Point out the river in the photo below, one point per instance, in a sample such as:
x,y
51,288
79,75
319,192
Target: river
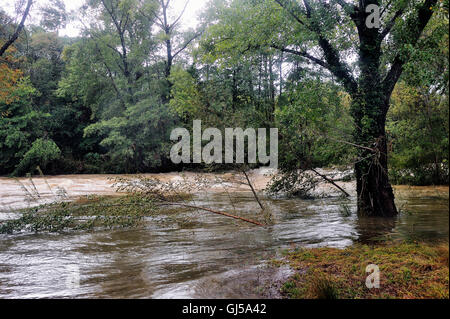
x,y
200,255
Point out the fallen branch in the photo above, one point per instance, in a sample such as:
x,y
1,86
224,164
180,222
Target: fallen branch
x,y
214,212
253,189
331,182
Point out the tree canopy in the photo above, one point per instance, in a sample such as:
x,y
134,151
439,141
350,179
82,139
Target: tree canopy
x,y
341,90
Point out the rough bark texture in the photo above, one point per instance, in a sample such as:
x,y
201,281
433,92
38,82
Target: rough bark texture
x,y
375,194
370,93
369,109
19,29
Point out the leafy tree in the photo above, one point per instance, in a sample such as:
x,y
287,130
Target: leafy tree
x,y
418,125
418,119
111,73
19,126
9,77
41,153
54,15
311,115
334,30
174,41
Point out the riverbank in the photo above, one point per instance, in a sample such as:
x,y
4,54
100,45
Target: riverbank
x,y
185,253
407,271
24,192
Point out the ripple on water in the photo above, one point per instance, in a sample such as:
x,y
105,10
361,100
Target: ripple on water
x,y
208,260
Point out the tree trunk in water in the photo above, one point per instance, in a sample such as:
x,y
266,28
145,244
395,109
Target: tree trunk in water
x,y
375,193
369,109
370,93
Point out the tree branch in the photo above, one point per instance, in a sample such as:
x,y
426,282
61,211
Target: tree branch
x,y
249,183
350,9
187,43
390,25
15,35
331,182
285,5
415,26
213,211
333,62
303,54
179,17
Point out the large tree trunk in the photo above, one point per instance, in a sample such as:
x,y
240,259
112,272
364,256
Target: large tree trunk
x,y
375,194
370,94
369,109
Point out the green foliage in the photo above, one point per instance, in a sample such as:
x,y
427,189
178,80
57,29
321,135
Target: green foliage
x,y
41,153
54,15
20,125
137,141
313,118
418,121
186,100
419,129
107,101
86,214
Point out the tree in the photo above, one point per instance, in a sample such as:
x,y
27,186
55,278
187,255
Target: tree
x,y
418,121
170,36
54,15
324,34
121,40
113,72
41,153
371,91
12,38
20,125
418,126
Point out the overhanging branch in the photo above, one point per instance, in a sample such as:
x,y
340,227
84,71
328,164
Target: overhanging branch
x,y
303,54
390,25
332,61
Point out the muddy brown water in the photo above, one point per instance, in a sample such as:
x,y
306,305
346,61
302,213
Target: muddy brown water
x,y
196,255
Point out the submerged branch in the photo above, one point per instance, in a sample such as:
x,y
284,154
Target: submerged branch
x,y
253,189
331,182
213,211
168,193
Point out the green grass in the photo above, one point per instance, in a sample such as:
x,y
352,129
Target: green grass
x,y
407,271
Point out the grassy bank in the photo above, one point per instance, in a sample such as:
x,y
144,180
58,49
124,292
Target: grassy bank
x,y
407,270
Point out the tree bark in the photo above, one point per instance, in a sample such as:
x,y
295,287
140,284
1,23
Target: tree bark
x,y
370,93
375,193
370,105
19,29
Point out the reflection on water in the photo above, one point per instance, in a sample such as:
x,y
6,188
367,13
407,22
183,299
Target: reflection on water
x,y
166,260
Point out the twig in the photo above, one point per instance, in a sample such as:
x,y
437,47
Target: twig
x,y
331,182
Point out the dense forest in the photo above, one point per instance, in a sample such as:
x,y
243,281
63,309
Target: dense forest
x,y
132,163
106,101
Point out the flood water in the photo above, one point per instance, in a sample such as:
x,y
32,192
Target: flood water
x,y
200,255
